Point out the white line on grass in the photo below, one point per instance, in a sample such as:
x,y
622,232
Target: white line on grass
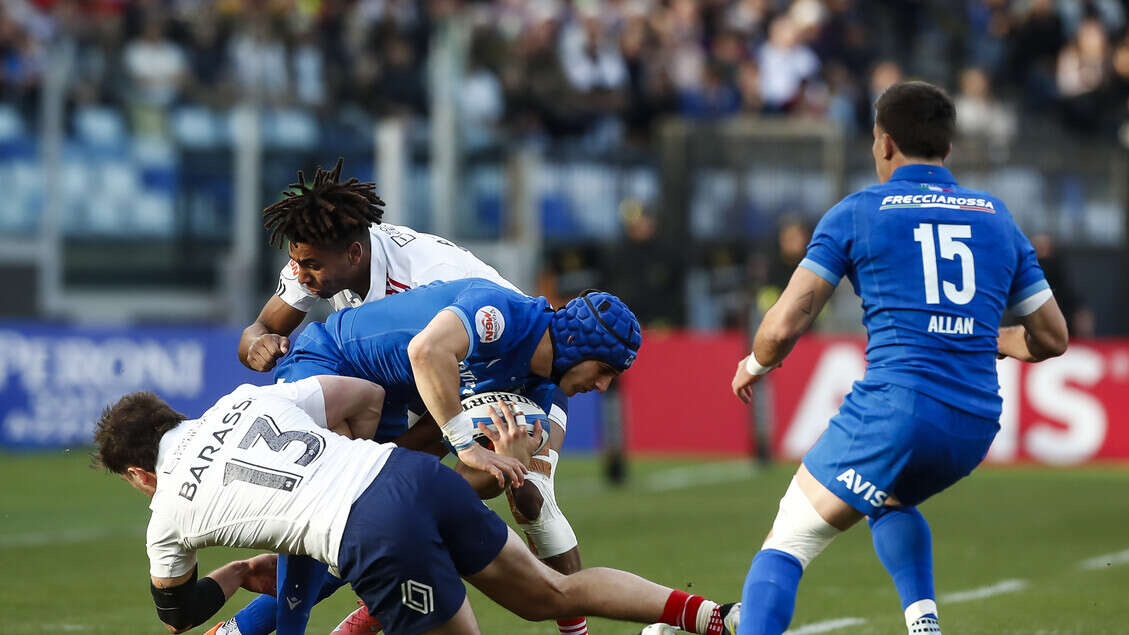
x,y
668,480
999,588
1108,560
825,627
979,593
65,536
709,474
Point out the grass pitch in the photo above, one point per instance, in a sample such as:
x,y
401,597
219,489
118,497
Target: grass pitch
x,y
1014,549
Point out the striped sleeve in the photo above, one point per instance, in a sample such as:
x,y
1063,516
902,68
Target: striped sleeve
x,y
827,255
1029,299
1029,288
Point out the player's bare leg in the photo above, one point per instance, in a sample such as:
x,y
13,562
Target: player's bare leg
x,y
463,623
830,507
524,585
547,530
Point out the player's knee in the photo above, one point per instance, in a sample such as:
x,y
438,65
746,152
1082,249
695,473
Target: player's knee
x,y
547,529
799,530
550,599
528,498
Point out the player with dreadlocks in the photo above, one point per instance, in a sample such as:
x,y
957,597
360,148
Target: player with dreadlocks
x,y
341,251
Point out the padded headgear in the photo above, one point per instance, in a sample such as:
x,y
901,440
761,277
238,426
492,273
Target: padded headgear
x,y
596,325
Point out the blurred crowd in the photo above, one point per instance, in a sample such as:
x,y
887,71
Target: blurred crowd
x,y
598,68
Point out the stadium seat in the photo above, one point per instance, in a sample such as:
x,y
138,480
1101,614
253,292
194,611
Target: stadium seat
x,y
289,129
100,128
11,124
195,127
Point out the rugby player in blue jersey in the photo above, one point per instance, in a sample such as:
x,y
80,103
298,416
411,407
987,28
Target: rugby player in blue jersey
x,y
429,347
936,266
343,253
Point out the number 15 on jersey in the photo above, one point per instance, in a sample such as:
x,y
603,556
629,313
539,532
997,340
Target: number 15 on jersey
x,y
949,239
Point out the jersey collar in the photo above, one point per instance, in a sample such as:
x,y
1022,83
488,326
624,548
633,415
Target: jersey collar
x,y
377,267
923,172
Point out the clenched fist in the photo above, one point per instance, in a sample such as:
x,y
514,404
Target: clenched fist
x,y
265,350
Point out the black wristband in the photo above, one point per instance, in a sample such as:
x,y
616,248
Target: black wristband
x,y
189,604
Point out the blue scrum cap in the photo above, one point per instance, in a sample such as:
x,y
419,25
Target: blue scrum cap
x,y
595,325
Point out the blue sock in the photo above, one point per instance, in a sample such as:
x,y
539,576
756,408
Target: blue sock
x,y
300,581
769,596
257,618
260,616
905,546
329,585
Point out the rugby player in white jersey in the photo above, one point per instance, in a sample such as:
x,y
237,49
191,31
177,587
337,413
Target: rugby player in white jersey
x,y
260,470
342,252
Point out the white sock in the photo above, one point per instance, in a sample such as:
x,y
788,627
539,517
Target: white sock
x,y
705,612
920,608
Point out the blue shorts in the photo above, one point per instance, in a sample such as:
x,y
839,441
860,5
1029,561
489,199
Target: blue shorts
x,y
889,440
411,536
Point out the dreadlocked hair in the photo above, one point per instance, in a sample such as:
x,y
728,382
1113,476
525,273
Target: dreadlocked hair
x,y
324,213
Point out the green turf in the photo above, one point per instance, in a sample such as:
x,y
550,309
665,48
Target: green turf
x,y
72,551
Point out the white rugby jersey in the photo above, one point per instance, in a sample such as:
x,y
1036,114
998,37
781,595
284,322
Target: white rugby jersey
x,y
401,259
257,471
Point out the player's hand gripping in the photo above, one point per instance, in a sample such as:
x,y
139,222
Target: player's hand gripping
x,y
265,350
510,439
743,382
508,470
260,575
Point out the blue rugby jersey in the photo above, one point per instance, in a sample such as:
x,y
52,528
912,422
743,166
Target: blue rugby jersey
x,y
936,265
504,327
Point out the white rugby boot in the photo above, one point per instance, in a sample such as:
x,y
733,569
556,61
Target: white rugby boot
x,y
731,617
227,627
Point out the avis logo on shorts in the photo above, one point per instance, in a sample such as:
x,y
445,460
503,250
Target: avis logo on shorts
x,y
489,323
860,485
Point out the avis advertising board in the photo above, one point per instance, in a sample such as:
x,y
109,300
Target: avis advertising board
x,y
1063,411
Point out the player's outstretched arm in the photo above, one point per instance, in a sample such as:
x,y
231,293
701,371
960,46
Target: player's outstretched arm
x,y
435,353
1042,334
783,324
268,337
184,603
352,406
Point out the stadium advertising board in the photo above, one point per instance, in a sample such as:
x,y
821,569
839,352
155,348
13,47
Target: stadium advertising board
x,y
676,396
55,380
1063,411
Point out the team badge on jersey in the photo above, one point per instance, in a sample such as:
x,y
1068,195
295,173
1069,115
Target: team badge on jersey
x,y
489,323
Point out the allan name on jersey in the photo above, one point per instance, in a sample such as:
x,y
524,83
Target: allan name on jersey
x,y
950,325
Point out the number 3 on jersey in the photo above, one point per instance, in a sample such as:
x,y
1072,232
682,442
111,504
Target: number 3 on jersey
x,y
948,236
264,428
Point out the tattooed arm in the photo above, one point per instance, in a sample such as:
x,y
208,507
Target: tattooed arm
x,y
784,323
